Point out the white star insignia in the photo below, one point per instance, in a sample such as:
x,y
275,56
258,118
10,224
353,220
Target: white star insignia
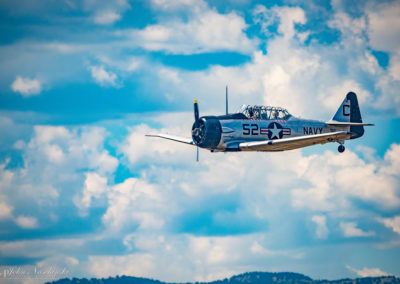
x,y
275,132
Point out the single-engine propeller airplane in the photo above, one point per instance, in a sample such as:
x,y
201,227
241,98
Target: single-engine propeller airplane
x,y
267,128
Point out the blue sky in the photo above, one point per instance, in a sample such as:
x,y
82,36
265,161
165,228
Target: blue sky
x,y
82,188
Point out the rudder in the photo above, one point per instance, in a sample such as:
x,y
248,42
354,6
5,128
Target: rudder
x,y
349,111
355,115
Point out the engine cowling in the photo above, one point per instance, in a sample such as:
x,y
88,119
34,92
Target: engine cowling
x,y
207,132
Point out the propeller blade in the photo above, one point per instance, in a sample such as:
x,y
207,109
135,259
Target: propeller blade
x,y
196,113
197,155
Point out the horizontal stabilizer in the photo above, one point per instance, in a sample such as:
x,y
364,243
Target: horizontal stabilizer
x,y
173,138
341,123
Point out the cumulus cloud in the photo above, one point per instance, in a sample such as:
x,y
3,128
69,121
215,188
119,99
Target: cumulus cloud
x,y
210,257
26,222
161,212
26,87
103,77
205,31
5,210
330,182
232,212
95,186
334,179
350,229
392,223
290,16
322,230
300,79
367,272
136,202
106,17
384,26
105,12
53,161
179,4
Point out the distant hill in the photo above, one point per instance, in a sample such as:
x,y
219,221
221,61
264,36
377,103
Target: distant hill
x,y
248,278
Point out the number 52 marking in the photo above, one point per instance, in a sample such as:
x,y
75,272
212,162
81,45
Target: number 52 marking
x,y
250,129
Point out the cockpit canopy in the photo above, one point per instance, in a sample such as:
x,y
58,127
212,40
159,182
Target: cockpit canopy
x,y
264,112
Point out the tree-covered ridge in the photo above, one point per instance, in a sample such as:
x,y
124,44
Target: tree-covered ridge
x,y
249,277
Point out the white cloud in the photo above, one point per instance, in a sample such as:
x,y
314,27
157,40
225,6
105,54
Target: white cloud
x,y
384,26
136,202
84,146
5,210
95,186
394,68
54,153
179,4
27,222
337,93
392,223
52,167
367,272
201,258
106,17
40,248
299,78
352,29
392,160
290,16
322,229
289,75
134,264
103,77
47,134
143,212
334,179
26,87
105,12
134,145
206,31
287,17
350,229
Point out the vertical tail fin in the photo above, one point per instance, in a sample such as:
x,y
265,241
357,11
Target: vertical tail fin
x,y
349,111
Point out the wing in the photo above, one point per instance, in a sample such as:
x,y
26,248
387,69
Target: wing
x,y
173,138
294,142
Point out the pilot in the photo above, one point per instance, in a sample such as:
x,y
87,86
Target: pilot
x,y
251,113
274,115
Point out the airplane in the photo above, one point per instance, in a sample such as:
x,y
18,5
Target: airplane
x,y
271,129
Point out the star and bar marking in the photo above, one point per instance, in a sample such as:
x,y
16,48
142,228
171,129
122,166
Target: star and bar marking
x,y
275,131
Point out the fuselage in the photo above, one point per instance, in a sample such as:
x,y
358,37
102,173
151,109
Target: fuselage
x,y
269,128
235,129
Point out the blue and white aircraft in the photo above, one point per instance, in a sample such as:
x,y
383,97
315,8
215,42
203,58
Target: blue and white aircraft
x,y
267,128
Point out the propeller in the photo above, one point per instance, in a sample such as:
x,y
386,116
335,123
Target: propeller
x,y
196,113
196,125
